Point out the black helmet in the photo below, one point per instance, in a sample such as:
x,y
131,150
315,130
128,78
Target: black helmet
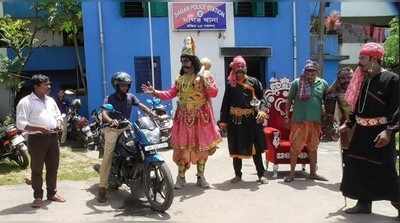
x,y
120,78
76,103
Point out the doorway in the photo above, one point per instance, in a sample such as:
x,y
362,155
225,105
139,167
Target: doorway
x,y
256,67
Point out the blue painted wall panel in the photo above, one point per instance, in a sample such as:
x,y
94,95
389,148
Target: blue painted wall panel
x,y
277,33
124,38
52,58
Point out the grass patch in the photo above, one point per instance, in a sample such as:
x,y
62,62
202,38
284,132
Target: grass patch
x,y
73,166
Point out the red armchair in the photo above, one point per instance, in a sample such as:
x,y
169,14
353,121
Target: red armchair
x,y
276,134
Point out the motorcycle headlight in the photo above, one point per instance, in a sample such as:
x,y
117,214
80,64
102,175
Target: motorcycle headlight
x,y
152,136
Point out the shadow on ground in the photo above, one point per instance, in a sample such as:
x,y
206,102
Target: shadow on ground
x,y
8,166
123,203
23,209
341,217
191,190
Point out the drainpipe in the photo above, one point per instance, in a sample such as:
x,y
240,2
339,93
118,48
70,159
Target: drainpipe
x,y
103,60
151,43
294,40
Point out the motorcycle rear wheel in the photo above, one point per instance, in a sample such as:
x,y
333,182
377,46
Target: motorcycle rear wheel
x,y
21,156
158,186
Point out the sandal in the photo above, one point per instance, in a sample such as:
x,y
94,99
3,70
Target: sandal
x,y
317,177
288,179
27,181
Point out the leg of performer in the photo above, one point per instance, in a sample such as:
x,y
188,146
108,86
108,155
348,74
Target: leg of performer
x,y
201,180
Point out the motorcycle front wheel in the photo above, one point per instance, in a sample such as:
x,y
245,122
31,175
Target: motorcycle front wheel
x,y
158,186
21,156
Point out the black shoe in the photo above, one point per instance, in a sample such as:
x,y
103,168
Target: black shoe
x,y
397,206
360,208
96,167
236,179
102,195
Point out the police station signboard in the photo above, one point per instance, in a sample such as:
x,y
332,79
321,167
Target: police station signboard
x,y
199,16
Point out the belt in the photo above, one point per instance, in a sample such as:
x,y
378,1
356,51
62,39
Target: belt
x,y
239,113
371,121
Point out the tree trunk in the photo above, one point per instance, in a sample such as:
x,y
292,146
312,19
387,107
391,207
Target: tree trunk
x,y
78,58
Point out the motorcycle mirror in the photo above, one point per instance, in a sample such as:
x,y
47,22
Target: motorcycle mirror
x,y
156,101
149,101
108,107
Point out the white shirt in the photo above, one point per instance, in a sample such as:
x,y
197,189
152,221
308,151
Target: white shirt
x,y
33,111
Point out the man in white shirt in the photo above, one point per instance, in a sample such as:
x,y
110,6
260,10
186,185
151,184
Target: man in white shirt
x,y
38,114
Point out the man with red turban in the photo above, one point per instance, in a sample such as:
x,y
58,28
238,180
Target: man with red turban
x,y
369,163
242,115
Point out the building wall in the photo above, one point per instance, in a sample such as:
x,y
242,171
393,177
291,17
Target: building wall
x,y
369,8
375,15
52,58
352,50
208,44
52,39
124,39
277,33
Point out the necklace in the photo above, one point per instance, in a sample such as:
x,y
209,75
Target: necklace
x,y
365,97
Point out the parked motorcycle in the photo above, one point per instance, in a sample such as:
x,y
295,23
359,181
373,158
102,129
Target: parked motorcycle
x,y
165,120
96,127
13,146
78,128
137,163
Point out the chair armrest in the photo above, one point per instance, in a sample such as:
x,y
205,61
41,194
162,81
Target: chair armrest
x,y
269,131
273,136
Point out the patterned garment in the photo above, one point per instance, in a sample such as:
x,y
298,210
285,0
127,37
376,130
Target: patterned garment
x,y
353,90
304,89
305,134
194,134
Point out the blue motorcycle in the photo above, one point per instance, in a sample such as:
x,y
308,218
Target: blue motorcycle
x,y
137,163
165,120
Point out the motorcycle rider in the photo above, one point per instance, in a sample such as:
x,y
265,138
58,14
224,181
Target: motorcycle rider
x,y
122,101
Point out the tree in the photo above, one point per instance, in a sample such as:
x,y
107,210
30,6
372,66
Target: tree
x,y
16,35
65,16
391,59
19,36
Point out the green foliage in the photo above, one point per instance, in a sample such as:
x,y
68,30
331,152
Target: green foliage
x,y
63,15
16,35
391,45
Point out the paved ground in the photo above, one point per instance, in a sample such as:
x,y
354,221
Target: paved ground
x,y
299,201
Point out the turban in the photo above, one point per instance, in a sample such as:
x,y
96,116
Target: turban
x,y
237,64
372,50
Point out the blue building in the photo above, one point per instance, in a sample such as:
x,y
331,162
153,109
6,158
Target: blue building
x,y
55,58
273,36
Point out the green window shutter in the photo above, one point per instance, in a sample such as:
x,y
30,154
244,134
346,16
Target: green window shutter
x,y
132,9
244,9
158,9
271,9
258,8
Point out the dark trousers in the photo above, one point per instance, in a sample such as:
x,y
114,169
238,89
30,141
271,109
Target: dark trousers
x,y
258,162
44,149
